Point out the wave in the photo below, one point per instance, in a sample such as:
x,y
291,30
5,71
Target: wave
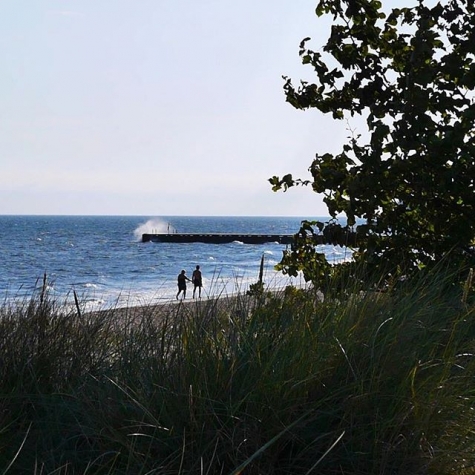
x,y
153,226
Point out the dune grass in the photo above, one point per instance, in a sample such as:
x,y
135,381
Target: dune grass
x,y
278,383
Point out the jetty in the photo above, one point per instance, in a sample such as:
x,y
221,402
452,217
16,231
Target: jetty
x,y
349,239
223,238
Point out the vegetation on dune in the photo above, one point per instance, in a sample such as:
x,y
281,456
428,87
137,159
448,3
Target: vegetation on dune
x,y
364,381
281,383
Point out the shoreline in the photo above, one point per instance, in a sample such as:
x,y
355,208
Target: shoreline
x,y
175,308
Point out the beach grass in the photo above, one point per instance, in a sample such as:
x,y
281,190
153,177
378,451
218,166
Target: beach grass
x,y
279,382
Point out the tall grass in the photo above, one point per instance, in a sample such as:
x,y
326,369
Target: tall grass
x,y
278,383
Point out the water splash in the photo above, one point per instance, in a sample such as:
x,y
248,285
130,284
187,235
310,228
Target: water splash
x,y
153,226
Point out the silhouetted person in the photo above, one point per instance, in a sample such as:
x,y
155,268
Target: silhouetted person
x,y
197,281
182,278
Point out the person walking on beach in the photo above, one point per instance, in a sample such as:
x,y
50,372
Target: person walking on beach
x,y
182,278
197,281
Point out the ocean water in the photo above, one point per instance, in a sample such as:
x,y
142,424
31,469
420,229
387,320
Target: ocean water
x,y
103,260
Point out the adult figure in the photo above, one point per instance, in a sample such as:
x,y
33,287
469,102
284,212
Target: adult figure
x,y
197,280
182,278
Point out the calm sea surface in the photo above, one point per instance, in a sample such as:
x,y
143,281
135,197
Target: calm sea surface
x,y
103,259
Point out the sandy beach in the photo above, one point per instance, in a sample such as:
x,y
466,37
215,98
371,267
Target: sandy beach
x,y
179,309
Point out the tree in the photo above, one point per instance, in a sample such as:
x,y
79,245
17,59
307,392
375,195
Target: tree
x,y
410,73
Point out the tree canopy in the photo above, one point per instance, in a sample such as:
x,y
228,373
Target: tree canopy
x,y
408,186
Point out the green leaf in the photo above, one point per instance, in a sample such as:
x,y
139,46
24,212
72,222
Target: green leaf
x,y
410,72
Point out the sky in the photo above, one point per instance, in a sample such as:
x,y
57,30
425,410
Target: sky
x,y
157,107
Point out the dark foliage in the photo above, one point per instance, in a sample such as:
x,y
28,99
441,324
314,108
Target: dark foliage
x,y
410,188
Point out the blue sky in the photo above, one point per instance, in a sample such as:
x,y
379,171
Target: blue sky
x,y
156,107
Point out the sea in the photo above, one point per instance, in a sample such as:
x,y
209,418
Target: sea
x,y
103,260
